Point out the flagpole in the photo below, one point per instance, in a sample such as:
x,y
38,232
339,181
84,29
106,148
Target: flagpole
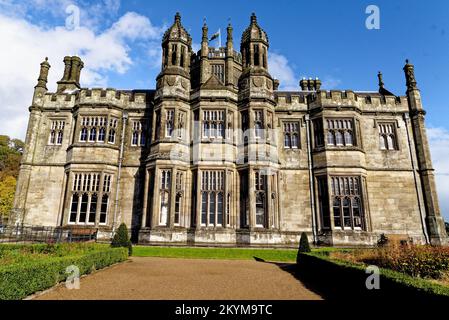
x,y
219,37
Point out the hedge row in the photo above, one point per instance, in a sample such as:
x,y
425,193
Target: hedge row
x,y
337,275
18,281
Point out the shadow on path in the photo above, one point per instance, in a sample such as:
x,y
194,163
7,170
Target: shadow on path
x,y
332,282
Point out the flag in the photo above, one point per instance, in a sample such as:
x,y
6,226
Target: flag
x,y
215,35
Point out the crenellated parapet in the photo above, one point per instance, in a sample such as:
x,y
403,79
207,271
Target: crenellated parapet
x,y
360,101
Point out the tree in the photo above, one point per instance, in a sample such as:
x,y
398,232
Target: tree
x,y
10,154
121,239
7,190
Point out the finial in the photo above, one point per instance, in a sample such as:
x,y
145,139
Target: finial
x,y
379,76
253,18
229,21
177,17
46,59
409,71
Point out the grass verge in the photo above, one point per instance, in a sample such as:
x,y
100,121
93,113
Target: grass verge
x,y
280,255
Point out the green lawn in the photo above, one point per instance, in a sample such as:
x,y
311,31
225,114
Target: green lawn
x,y
281,255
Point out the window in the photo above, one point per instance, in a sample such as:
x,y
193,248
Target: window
x,y
181,124
346,203
112,130
256,55
178,199
218,71
138,137
340,132
318,133
213,124
387,136
93,129
258,123
56,132
165,196
212,191
169,123
157,127
260,184
86,192
291,135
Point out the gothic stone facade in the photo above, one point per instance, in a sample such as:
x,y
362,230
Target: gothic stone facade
x,y
217,155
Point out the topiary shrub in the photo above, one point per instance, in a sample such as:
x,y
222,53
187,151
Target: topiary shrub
x,y
303,245
121,239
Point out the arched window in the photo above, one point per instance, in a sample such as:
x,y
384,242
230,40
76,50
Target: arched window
x,y
59,141
83,134
104,209
330,138
111,138
204,208
256,55
346,213
338,138
295,141
135,139
212,201
93,208
93,134
74,208
52,137
348,138
102,134
220,209
356,213
164,208
390,142
83,208
177,208
337,212
174,49
182,56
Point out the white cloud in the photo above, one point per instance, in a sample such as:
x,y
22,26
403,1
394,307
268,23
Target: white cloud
x,y
280,69
439,147
28,44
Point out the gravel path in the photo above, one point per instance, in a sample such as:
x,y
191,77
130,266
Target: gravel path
x,y
171,279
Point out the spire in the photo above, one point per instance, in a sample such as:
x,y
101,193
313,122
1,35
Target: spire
x,y
43,75
409,71
253,18
229,36
381,83
177,18
205,30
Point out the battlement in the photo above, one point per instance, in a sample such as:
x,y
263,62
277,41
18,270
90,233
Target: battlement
x,y
363,100
121,98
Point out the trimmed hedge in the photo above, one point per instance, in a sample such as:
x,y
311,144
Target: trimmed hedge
x,y
336,275
18,281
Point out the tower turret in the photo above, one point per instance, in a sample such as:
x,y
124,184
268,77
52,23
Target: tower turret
x,y
254,46
174,78
434,221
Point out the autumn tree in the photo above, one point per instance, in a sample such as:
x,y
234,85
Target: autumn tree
x,y
10,153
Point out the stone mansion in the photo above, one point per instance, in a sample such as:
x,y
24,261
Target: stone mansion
x,y
217,155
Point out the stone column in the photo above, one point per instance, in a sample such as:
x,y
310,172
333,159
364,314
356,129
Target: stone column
x,y
145,199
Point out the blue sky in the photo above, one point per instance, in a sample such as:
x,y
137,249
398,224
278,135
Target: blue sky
x,y
120,44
